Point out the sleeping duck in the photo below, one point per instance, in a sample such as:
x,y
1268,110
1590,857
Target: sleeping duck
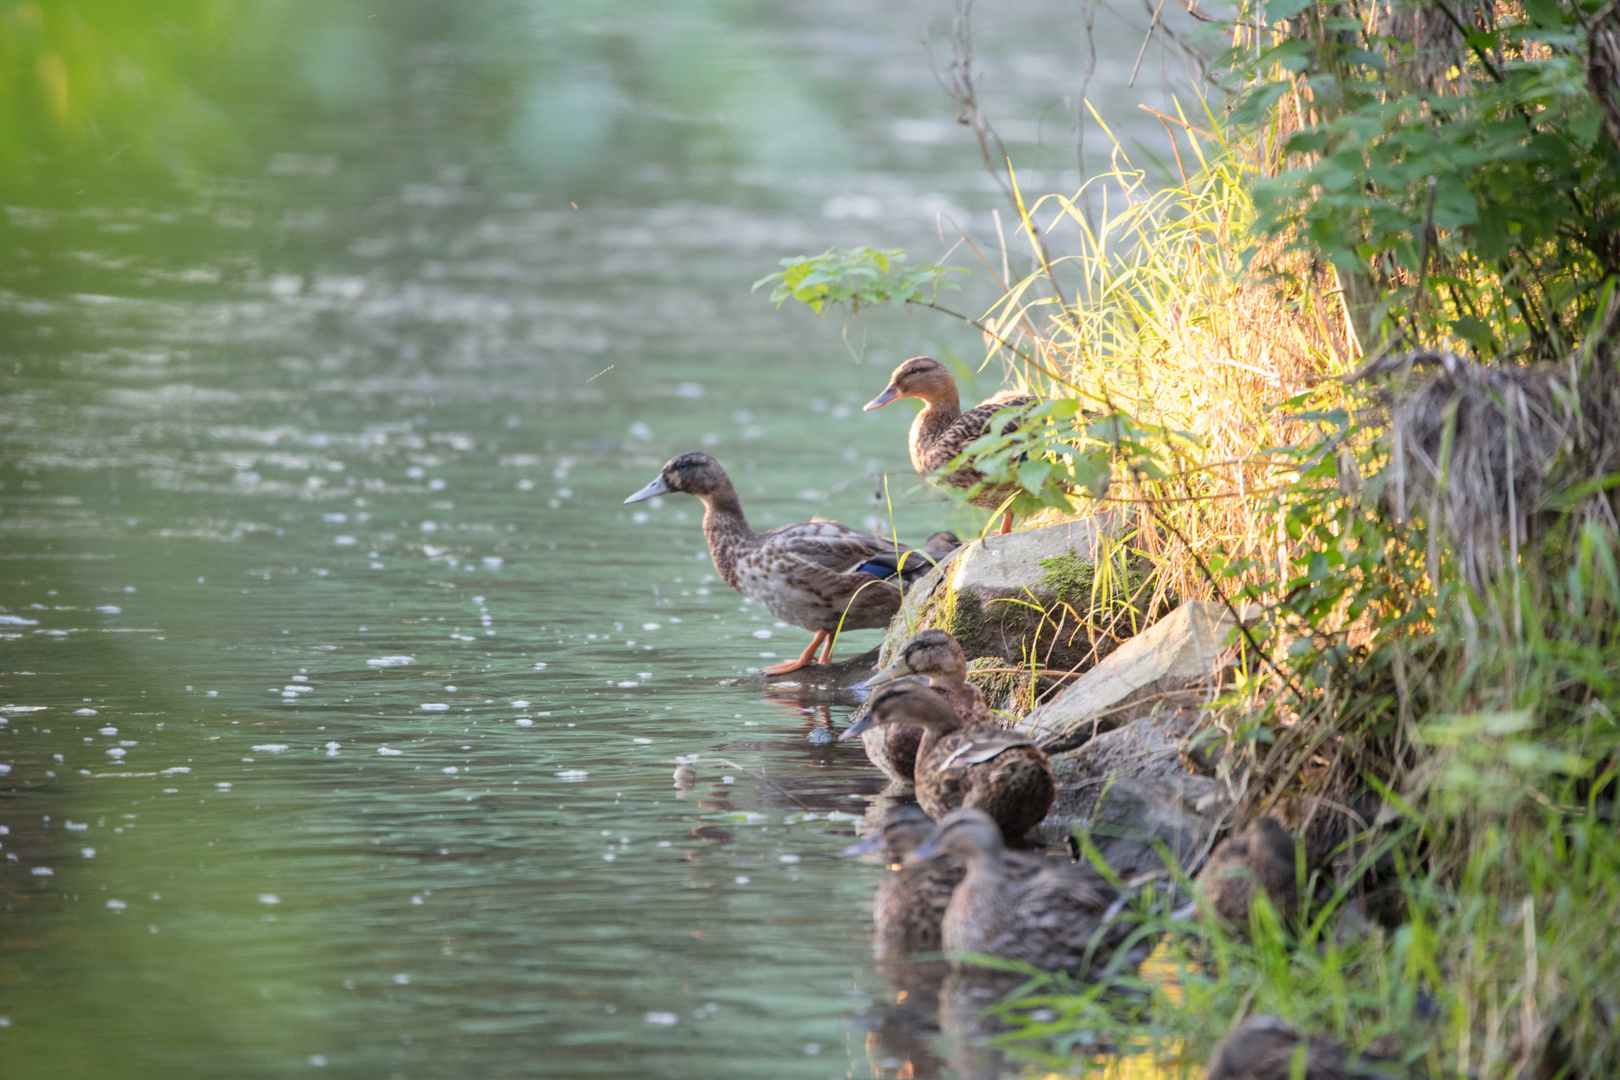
x,y
942,430
820,575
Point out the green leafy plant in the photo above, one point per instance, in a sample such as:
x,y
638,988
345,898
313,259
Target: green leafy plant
x,y
862,276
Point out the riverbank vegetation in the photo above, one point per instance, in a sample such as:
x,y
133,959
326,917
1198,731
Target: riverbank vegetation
x,y
1357,365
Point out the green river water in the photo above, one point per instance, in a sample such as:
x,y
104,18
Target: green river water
x,y
339,693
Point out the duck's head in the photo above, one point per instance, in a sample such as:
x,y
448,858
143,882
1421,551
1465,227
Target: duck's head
x,y
694,474
966,832
903,829
920,377
932,652
910,700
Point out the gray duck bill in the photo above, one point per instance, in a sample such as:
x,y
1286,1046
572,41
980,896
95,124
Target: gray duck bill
x,y
657,487
865,723
890,393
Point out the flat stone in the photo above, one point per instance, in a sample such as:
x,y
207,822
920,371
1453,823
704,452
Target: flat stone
x,y
1185,651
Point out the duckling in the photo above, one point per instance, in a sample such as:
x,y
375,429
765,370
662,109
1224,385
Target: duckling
x,y
1261,854
934,653
942,430
819,575
911,901
1063,917
1000,772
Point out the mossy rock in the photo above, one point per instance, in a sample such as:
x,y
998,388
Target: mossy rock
x,y
1024,598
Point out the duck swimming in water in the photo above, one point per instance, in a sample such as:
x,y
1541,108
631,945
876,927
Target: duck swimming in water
x,y
1000,772
936,654
819,575
942,430
1062,917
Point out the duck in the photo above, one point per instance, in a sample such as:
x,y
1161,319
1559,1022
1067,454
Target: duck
x,y
911,901
942,430
935,653
1000,772
1266,1048
817,575
1260,854
1063,917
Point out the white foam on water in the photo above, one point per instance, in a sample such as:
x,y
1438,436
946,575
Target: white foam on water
x,y
116,752
651,626
390,661
434,706
402,979
763,635
224,785
787,858
520,704
539,665
43,871
78,826
270,748
664,1019
344,541
84,712
643,742
741,879
386,752
110,609
17,620
88,852
269,898
175,769
117,905
451,769
523,721
572,775
108,730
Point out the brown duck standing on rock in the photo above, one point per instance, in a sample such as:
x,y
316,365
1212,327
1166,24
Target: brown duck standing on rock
x,y
942,430
936,654
1063,917
1002,773
911,901
820,575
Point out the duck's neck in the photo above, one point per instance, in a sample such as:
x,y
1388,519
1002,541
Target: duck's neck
x,y
727,531
933,733
937,415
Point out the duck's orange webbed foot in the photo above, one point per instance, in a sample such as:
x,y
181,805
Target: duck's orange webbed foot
x,y
804,659
1006,523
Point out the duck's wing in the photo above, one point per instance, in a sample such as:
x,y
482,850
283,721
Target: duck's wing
x,y
827,544
982,744
969,426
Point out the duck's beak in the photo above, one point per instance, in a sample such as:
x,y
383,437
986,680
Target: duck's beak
x,y
872,845
865,723
657,487
926,850
890,393
889,674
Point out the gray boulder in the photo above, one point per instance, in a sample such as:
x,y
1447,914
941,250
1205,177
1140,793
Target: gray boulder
x,y
1127,790
1016,596
1176,660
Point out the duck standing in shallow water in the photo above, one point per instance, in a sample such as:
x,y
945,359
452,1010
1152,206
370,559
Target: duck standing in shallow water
x,y
936,654
942,430
1063,917
820,575
1000,772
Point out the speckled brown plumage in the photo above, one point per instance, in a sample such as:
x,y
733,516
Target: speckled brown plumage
x,y
1263,854
808,574
1052,918
942,430
911,900
999,772
935,653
